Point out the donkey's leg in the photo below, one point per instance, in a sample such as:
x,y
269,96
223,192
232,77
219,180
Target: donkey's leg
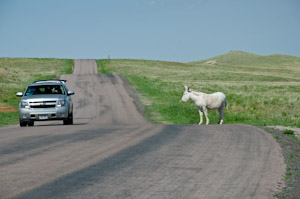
x,y
201,115
206,115
221,112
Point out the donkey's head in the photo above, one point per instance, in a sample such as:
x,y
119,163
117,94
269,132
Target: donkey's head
x,y
186,94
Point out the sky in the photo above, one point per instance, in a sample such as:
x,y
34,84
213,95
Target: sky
x,y
168,30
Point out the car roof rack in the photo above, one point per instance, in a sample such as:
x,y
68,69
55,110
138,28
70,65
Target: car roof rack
x,y
51,80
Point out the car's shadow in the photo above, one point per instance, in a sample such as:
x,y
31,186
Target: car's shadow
x,y
58,123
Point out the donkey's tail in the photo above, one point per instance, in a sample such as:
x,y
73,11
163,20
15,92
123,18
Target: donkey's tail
x,y
226,105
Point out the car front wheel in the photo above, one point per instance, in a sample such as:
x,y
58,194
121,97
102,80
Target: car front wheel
x,y
69,120
22,123
31,123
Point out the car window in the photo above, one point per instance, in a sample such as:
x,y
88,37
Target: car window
x,y
44,90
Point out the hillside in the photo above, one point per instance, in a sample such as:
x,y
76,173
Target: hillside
x,y
261,90
244,58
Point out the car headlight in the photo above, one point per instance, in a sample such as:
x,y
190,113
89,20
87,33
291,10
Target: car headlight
x,y
24,104
61,103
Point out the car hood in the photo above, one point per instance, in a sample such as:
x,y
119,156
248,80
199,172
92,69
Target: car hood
x,y
43,97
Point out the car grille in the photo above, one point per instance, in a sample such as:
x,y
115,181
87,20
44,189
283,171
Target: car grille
x,y
43,104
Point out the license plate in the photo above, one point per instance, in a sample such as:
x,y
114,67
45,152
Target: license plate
x,y
43,117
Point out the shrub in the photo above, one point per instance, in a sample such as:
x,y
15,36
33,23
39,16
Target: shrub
x,y
288,132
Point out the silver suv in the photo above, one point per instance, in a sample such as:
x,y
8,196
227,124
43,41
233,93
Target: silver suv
x,y
46,100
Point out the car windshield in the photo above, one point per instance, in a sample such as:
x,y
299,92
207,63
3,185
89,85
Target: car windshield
x,y
44,90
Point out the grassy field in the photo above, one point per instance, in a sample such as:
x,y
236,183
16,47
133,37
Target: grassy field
x,y
260,90
17,73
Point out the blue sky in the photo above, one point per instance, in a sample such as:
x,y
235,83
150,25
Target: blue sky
x,y
170,30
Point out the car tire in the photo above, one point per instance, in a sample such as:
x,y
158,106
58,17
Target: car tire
x,y
23,124
69,120
31,123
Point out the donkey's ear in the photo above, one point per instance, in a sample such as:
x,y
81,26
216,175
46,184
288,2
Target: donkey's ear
x,y
186,87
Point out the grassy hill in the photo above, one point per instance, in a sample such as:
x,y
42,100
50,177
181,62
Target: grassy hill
x,y
260,90
17,73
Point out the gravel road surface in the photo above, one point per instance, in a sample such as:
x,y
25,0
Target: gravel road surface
x,y
111,151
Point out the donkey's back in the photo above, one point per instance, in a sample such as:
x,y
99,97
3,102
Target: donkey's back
x,y
215,100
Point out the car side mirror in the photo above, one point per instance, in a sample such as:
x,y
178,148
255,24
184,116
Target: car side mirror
x,y
19,94
71,92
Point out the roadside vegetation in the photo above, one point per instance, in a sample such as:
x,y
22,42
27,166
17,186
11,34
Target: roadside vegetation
x,y
17,73
260,90
290,146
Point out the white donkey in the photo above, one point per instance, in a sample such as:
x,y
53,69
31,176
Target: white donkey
x,y
206,102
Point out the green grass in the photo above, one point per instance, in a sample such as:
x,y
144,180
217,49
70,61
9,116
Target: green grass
x,y
102,66
17,73
260,90
288,132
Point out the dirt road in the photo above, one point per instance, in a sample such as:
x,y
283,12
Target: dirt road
x,y
111,151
